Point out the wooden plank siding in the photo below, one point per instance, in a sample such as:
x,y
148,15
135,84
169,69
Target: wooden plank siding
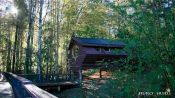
x,y
91,52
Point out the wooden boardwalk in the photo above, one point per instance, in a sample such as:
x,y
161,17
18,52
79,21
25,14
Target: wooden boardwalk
x,y
6,90
64,83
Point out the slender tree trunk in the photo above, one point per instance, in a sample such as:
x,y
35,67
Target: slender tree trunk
x,y
29,52
9,53
52,36
15,48
56,33
21,52
39,67
3,50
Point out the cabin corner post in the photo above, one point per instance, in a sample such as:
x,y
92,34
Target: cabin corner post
x,y
100,72
80,75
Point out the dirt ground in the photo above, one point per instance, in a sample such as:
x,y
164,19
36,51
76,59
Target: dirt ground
x,y
90,87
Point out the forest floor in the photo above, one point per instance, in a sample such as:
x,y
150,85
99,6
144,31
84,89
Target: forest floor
x,y
5,88
90,87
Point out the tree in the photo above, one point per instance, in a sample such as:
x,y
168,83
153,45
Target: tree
x,y
39,66
31,21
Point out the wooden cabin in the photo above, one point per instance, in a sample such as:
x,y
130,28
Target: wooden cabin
x,y
86,53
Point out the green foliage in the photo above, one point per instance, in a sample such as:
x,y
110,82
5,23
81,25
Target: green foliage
x,y
128,85
149,66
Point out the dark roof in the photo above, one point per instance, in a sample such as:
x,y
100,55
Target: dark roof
x,y
96,42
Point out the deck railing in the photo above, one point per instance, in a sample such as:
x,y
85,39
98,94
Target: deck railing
x,y
50,78
24,88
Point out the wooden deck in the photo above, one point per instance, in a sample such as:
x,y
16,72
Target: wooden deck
x,y
64,83
6,90
51,80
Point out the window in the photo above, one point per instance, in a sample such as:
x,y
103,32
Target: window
x,y
75,51
103,49
99,49
107,49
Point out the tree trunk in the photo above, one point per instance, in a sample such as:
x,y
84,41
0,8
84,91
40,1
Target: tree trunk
x,y
29,50
15,48
56,33
9,53
39,67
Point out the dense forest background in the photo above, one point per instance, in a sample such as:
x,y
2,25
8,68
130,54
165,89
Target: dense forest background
x,y
35,36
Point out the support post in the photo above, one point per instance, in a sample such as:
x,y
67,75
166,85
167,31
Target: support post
x,y
100,73
80,76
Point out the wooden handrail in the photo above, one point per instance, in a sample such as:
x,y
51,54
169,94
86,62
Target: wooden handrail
x,y
25,88
36,92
